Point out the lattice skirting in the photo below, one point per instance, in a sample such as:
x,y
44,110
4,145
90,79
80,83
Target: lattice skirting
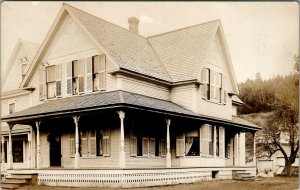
x,y
128,178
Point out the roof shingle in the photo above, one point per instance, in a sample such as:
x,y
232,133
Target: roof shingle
x,y
183,51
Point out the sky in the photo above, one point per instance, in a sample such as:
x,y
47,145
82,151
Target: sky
x,y
261,36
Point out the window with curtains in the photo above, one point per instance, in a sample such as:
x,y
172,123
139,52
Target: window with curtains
x,y
86,75
93,143
98,72
53,81
192,143
78,76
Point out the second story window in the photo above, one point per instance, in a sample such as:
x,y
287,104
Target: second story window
x,y
11,108
98,72
50,82
213,86
53,81
78,76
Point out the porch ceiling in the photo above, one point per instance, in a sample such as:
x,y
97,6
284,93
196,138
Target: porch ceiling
x,y
115,99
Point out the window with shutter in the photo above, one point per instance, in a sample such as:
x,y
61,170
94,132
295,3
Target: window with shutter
x,y
162,147
72,145
42,83
133,143
84,143
58,79
75,79
89,74
99,64
81,75
102,65
180,145
212,85
152,147
92,142
205,88
69,78
51,81
106,142
221,141
145,146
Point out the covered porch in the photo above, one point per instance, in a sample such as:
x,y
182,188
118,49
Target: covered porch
x,y
120,132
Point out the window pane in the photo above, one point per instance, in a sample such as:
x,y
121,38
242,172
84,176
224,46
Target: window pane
x,y
95,82
75,68
23,69
102,63
51,90
50,73
81,84
81,67
75,85
95,64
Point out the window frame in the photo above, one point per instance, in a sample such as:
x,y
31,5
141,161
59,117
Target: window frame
x,y
9,107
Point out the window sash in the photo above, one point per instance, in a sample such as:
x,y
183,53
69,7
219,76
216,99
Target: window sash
x,y
50,74
51,89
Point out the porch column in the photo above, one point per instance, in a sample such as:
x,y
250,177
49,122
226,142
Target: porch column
x,y
29,147
10,153
38,144
168,155
2,151
254,149
122,152
236,149
76,121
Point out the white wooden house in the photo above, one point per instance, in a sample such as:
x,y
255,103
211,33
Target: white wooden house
x,y
108,107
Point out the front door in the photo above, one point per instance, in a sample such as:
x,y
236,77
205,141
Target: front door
x,y
55,150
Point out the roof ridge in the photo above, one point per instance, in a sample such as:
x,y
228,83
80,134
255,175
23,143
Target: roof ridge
x,y
216,20
65,4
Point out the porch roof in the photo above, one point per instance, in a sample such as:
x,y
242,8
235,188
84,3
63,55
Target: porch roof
x,y
115,99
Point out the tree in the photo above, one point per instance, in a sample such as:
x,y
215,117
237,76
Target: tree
x,y
281,130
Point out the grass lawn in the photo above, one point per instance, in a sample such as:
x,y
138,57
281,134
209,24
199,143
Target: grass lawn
x,y
276,183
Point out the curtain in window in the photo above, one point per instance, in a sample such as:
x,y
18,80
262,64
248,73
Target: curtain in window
x,y
188,144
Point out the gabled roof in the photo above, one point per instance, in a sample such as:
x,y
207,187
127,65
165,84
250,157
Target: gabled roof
x,y
183,51
115,99
30,48
128,50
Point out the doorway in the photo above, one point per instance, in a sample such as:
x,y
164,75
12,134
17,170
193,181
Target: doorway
x,y
55,150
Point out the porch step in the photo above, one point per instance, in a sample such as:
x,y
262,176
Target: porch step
x,y
10,185
242,175
14,180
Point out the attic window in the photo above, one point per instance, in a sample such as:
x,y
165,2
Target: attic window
x,y
24,64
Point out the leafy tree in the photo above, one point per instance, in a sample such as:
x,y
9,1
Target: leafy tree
x,y
279,97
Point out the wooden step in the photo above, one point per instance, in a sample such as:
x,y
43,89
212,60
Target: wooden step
x,y
19,181
9,185
19,176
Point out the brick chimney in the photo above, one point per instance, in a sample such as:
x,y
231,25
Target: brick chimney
x,y
133,25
